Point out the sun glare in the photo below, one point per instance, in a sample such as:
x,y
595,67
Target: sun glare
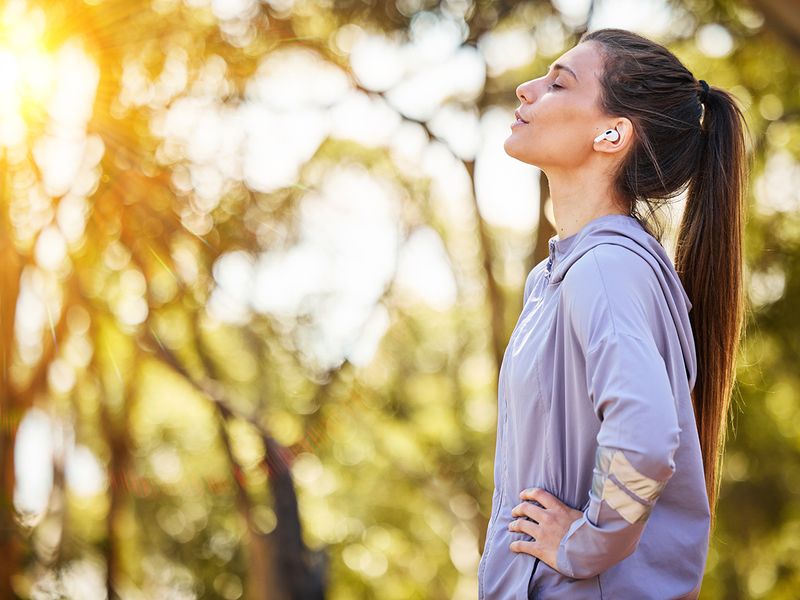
x,y
26,71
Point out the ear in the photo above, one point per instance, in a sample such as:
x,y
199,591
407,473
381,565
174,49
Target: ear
x,y
624,127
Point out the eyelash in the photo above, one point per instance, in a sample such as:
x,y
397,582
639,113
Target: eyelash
x,y
555,85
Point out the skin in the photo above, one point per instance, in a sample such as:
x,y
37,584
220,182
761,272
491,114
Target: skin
x,y
564,117
550,522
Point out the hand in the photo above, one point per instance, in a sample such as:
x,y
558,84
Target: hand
x,y
550,523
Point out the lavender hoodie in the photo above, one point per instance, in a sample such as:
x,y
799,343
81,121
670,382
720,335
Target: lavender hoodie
x,y
594,406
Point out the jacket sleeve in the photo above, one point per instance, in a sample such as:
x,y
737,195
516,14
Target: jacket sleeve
x,y
631,394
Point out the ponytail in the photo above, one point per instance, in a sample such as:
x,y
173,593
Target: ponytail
x,y
709,261
689,136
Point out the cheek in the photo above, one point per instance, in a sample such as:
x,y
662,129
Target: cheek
x,y
570,119
546,142
559,133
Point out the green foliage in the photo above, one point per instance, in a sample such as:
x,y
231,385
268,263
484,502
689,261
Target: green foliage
x,y
191,418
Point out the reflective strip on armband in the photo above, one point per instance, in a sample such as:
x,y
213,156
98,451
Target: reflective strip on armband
x,y
622,487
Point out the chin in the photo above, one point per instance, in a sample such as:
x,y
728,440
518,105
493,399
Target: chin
x,y
515,153
511,147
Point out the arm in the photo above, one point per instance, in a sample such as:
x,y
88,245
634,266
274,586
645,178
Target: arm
x,y
638,437
631,394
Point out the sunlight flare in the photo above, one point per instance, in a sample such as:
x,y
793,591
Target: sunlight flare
x,y
26,71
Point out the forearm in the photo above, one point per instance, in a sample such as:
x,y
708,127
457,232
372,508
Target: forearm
x,y
609,530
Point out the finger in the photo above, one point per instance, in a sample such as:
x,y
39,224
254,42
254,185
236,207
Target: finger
x,y
524,526
543,497
531,548
528,509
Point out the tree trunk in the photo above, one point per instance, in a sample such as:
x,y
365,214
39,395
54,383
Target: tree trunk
x,y
10,409
783,18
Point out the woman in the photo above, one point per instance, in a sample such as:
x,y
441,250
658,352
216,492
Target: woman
x,y
613,396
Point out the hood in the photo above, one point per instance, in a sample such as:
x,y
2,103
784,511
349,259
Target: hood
x,y
627,231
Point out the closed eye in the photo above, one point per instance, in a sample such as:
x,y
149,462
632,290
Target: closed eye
x,y
555,85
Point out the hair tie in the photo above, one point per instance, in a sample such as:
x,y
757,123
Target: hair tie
x,y
704,91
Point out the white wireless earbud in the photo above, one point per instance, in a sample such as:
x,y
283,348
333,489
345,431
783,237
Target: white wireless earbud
x,y
611,135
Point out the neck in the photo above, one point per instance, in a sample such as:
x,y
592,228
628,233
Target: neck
x,y
579,199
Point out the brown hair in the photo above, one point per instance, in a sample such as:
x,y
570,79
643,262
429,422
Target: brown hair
x,y
684,142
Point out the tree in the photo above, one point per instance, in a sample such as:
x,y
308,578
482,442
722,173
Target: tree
x,y
391,456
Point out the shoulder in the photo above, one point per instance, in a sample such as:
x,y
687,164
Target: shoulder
x,y
609,272
614,268
610,289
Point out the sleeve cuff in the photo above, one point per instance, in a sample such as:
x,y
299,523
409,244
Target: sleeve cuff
x,y
563,564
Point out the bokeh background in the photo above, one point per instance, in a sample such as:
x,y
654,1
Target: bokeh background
x,y
259,261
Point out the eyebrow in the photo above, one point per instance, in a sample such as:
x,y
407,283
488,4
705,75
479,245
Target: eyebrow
x,y
558,66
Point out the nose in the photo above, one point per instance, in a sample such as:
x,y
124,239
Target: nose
x,y
525,91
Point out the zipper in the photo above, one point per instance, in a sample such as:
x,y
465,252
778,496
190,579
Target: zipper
x,y
504,473
530,579
549,267
503,480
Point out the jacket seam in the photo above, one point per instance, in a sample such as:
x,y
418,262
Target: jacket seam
x,y
547,396
605,290
599,343
613,331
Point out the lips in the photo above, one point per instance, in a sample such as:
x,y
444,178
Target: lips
x,y
516,114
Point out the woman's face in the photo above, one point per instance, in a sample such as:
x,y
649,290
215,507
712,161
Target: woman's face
x,y
562,110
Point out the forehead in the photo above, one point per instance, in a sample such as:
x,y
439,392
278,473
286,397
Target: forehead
x,y
585,59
